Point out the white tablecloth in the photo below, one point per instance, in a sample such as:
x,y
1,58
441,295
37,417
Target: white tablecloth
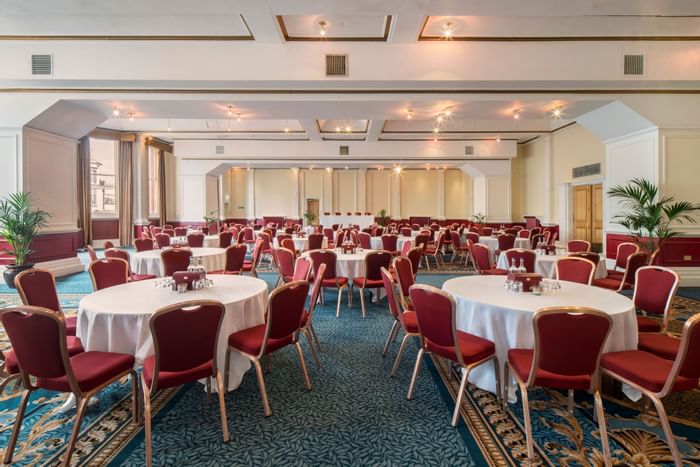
x,y
301,243
362,221
545,265
349,265
149,262
486,309
210,241
376,242
116,319
492,243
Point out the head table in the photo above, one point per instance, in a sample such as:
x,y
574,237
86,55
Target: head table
x,y
116,319
150,262
486,309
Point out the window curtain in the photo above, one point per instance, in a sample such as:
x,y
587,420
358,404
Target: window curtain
x,y
84,190
126,230
162,200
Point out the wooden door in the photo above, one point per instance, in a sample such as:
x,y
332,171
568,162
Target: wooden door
x,y
582,213
313,206
597,213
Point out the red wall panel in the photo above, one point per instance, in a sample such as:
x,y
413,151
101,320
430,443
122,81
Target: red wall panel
x,y
48,247
676,252
104,229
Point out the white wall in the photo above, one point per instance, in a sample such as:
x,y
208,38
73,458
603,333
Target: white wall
x,y
275,192
10,161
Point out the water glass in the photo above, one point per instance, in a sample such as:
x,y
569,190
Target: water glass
x,y
182,287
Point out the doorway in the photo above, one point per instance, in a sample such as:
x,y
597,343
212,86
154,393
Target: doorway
x,y
588,215
312,205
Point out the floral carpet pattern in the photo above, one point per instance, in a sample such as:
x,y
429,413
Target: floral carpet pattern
x,y
356,413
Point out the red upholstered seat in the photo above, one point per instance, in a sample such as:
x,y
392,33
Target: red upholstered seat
x,y
141,277
646,324
659,344
473,348
71,325
616,275
167,379
648,370
73,345
91,369
612,284
367,283
250,340
341,281
520,361
409,321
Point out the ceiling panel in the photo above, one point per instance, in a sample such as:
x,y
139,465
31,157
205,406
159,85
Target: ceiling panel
x,y
334,28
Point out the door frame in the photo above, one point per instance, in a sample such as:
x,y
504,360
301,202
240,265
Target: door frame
x,y
566,207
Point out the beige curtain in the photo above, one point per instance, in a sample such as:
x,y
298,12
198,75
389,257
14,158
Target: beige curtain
x,y
126,229
162,200
84,195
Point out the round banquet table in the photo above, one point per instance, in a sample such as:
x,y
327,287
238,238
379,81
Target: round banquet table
x,y
486,309
210,241
116,319
301,243
492,243
350,265
149,262
545,265
376,242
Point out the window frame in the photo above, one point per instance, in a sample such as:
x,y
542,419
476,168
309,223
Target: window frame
x,y
115,214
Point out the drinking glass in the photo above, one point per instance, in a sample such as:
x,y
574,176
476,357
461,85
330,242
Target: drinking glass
x,y
182,287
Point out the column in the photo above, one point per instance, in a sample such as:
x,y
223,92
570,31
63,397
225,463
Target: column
x,y
224,197
11,161
547,179
395,196
250,195
294,196
441,194
302,193
140,185
327,202
361,191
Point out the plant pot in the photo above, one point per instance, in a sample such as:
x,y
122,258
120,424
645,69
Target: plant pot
x,y
12,271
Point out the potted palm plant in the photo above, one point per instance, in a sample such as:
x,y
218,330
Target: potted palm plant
x,y
310,217
479,219
19,225
382,217
648,217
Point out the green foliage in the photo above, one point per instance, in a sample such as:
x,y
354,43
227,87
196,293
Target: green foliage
x,y
310,217
479,218
212,217
646,216
20,224
383,217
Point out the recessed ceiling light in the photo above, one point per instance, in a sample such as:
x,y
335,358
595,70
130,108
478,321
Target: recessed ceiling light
x,y
448,111
557,112
323,28
230,110
346,167
409,114
440,118
131,117
498,139
238,116
337,129
328,169
115,111
447,30
380,168
397,169
348,129
516,114
436,130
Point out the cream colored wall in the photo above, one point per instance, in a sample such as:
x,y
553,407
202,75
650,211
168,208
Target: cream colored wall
x,y
344,190
419,193
458,195
170,183
211,199
273,188
517,184
679,169
532,179
378,190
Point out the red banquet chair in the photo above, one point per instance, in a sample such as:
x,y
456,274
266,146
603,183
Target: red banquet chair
x,y
523,233
414,256
252,264
575,269
624,251
536,239
108,272
626,281
526,257
156,230
180,231
108,245
123,254
473,236
302,269
590,256
459,248
195,240
225,239
656,377
405,231
285,264
37,287
568,346
487,231
406,247
481,256
91,253
162,240
328,257
403,272
284,314
654,290
307,327
374,262
578,246
328,232
39,341
143,244
288,243
405,320
365,240
389,243
185,337
175,260
315,241
505,242
235,257
436,317
435,251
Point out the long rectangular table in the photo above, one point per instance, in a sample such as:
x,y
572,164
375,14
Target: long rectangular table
x,y
361,220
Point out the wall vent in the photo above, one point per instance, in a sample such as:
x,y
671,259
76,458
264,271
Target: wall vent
x,y
344,150
336,65
586,170
468,150
219,149
634,65
42,65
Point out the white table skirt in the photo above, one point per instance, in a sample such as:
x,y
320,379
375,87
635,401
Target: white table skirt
x,y
149,262
486,309
545,265
362,221
301,243
116,319
376,242
349,265
492,243
210,241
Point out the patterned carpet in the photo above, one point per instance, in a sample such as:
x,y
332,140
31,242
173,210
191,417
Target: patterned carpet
x,y
355,415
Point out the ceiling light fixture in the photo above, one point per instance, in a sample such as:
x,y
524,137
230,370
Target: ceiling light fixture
x,y
557,112
435,140
440,118
516,114
397,169
436,130
448,111
238,116
380,168
498,139
447,30
323,28
169,129
230,110
409,114
286,126
328,169
115,111
131,117
348,129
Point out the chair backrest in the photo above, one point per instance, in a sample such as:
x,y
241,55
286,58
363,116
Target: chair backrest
x,y
225,239
654,290
288,243
162,240
528,258
634,262
241,236
535,231
156,230
171,232
167,227
406,247
456,240
510,231
143,244
405,231
536,239
379,231
91,253
195,240
340,238
569,341
435,313
247,234
284,311
506,242
328,232
481,255
390,289
327,257
589,255
487,231
185,336
285,262
422,241
365,240
315,241
302,269
316,291
235,257
687,363
518,228
404,276
624,251
180,231
575,269
553,238
414,255
175,260
547,234
374,262
257,252
108,272
578,246
473,236
108,245
389,242
523,233
266,240
37,287
415,227
117,253
283,236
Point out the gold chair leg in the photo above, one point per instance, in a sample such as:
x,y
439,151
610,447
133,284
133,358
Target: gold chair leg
x,y
81,405
362,302
340,299
263,391
147,422
222,406
390,338
602,428
506,391
208,384
9,451
323,298
497,371
227,364
670,439
416,369
404,341
349,287
306,333
571,401
300,354
458,402
315,336
135,397
528,423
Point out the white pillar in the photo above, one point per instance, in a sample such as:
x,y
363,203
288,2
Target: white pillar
x,y
361,191
250,195
302,192
441,194
140,185
395,198
328,191
10,161
294,196
547,179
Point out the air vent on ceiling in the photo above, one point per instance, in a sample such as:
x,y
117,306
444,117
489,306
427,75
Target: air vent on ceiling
x,y
42,65
336,65
219,149
344,150
586,170
468,150
634,65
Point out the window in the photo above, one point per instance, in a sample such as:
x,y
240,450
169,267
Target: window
x,y
153,182
103,176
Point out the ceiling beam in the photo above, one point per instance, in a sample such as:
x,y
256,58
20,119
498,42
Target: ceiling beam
x,y
311,128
